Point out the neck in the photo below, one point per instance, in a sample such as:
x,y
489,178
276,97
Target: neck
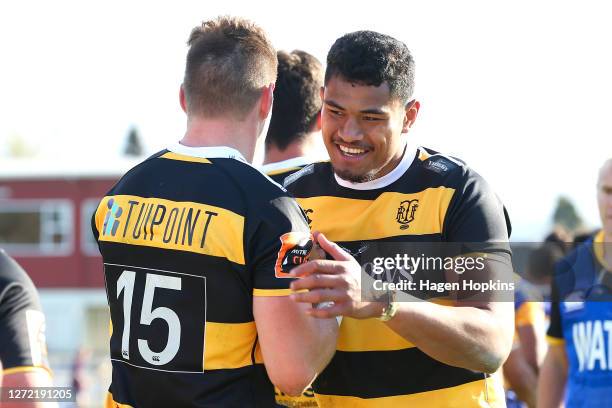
x,y
302,147
225,131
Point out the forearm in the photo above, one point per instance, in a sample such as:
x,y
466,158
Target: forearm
x,y
321,345
465,337
551,383
521,377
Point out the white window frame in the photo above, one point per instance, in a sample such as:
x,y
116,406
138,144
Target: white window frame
x,y
48,227
89,247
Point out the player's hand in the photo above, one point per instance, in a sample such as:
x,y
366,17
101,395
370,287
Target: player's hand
x,y
337,281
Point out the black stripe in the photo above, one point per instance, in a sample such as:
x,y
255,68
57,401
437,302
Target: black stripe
x,y
321,182
229,289
236,388
375,374
224,183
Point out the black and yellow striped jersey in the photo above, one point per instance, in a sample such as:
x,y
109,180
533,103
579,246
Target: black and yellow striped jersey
x,y
428,197
188,237
23,346
279,170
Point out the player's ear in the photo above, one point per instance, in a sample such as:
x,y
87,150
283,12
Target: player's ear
x,y
317,125
182,99
267,97
410,114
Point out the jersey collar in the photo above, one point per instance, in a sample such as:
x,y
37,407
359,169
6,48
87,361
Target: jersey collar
x,y
598,248
207,152
389,178
286,164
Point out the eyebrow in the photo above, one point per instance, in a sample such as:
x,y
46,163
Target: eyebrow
x,y
370,111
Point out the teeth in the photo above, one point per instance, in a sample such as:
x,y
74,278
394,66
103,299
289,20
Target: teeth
x,y
351,150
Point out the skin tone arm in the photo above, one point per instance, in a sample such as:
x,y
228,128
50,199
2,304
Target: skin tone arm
x,y
553,376
477,336
27,379
521,377
521,368
295,346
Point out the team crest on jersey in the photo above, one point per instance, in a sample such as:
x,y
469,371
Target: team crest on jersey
x,y
295,250
405,213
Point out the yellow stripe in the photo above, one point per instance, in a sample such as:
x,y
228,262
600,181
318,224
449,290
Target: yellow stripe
x,y
373,335
109,402
279,171
229,345
26,369
555,341
369,335
272,292
473,394
598,248
306,400
529,313
346,219
423,155
182,157
186,226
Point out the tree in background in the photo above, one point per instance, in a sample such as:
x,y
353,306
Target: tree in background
x,y
133,147
18,147
567,216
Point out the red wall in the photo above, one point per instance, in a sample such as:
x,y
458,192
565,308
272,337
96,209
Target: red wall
x,y
76,269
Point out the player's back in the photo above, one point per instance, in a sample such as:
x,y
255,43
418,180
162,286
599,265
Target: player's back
x,y
187,241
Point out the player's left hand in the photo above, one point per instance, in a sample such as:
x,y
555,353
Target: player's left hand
x,y
337,281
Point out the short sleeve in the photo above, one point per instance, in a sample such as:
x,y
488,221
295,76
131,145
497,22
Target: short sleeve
x,y
529,314
279,240
476,214
22,323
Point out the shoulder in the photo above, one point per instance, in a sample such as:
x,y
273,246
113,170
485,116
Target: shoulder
x,y
443,169
311,178
11,273
250,179
576,270
17,291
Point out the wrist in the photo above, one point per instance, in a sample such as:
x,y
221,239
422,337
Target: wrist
x,y
390,307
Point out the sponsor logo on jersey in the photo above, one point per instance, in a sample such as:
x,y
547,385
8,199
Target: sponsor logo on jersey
x,y
171,225
295,250
405,213
437,166
593,344
111,221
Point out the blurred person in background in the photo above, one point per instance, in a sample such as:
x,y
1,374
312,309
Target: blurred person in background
x,y
291,140
198,245
530,305
295,126
23,347
577,370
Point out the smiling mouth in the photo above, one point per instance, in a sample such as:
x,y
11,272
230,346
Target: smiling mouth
x,y
351,151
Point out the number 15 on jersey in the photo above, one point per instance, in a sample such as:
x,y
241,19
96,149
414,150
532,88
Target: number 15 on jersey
x,y
158,317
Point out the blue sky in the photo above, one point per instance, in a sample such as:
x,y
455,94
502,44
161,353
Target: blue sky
x,y
520,90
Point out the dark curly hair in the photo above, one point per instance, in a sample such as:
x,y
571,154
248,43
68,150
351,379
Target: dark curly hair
x,y
371,58
297,100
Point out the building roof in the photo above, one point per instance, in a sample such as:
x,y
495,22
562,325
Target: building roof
x,y
73,168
